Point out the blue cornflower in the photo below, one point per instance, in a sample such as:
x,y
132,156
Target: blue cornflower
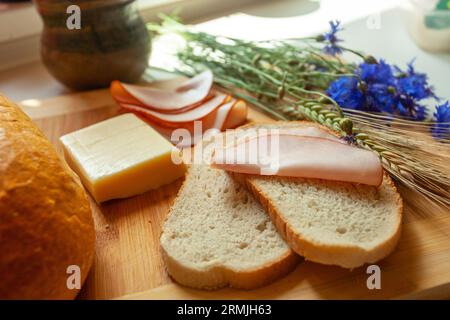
x,y
414,84
368,90
330,38
376,73
441,129
412,87
407,106
379,82
381,87
421,113
346,93
379,98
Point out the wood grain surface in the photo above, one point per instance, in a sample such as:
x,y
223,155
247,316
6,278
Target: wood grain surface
x,y
128,261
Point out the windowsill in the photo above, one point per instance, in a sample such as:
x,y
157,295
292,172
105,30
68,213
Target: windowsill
x,y
12,6
20,24
22,20
18,21
275,19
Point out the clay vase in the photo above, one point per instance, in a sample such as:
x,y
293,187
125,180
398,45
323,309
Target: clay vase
x,y
112,42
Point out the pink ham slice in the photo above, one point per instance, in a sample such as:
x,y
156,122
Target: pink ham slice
x,y
188,116
222,115
304,131
297,155
122,96
188,93
230,112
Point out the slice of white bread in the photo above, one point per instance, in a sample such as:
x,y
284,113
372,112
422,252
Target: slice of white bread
x,y
217,235
334,223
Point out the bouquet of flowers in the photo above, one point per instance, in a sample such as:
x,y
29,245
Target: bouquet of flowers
x,y
373,104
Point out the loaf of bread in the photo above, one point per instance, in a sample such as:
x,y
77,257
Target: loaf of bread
x,y
330,222
46,223
217,235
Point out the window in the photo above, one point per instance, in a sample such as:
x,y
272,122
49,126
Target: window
x,y
20,24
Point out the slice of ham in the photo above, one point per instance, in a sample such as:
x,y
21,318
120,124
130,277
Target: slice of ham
x,y
229,115
222,114
308,156
310,130
188,116
236,116
122,96
185,96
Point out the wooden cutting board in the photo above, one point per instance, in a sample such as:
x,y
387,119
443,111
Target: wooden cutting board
x,y
128,261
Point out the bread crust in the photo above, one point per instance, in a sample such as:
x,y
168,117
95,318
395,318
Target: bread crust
x,y
220,276
46,222
344,256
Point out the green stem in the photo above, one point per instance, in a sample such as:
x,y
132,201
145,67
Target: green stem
x,y
358,53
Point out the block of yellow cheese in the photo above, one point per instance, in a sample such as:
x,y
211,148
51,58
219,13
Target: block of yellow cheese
x,y
121,157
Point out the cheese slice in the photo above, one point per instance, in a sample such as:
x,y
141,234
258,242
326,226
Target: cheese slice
x,y
121,157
